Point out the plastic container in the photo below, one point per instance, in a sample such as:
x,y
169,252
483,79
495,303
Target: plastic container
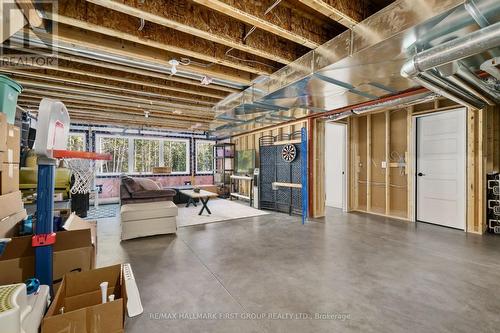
x,y
9,90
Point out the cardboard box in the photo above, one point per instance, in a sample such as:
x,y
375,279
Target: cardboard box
x,y
3,132
9,226
80,298
9,178
10,204
13,152
73,252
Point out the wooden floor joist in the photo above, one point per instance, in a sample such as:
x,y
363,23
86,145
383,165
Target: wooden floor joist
x,y
31,85
112,45
282,21
78,66
98,19
346,12
200,21
40,93
133,89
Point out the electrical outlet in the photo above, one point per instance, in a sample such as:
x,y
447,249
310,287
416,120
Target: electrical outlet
x,y
384,164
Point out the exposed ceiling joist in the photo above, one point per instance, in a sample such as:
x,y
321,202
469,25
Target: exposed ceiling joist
x,y
99,69
346,12
30,13
134,89
32,105
107,102
200,21
281,21
112,45
95,18
93,94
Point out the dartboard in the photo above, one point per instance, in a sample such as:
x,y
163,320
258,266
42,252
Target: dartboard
x,y
288,153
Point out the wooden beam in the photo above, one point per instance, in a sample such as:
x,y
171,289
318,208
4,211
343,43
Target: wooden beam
x,y
30,13
200,21
282,21
102,101
101,20
30,85
82,104
108,71
134,89
112,113
346,12
108,44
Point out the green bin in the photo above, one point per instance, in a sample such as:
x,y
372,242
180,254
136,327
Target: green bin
x,y
9,90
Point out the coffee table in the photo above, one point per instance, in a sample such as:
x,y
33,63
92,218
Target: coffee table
x,y
204,196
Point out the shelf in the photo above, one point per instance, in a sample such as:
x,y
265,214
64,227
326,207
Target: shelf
x,y
240,196
241,177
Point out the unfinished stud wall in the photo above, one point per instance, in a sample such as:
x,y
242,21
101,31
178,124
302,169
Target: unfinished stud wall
x,y
381,168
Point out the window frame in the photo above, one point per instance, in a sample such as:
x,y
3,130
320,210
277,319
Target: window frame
x,y
82,135
188,155
131,151
202,141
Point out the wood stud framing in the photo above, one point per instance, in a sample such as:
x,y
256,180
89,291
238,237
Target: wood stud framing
x,y
483,140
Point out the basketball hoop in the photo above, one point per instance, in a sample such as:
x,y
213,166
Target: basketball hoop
x,y
83,166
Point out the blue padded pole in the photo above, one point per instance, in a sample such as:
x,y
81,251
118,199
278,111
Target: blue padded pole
x,y
304,174
45,216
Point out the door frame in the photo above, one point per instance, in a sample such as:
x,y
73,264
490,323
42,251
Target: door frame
x,y
346,175
413,155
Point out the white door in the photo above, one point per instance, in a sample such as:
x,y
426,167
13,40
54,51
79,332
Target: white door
x,y
441,154
335,164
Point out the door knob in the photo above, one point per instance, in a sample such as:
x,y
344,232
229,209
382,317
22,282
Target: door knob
x,y
420,174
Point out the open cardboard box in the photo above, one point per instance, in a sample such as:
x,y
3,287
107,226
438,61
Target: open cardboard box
x,y
74,251
77,306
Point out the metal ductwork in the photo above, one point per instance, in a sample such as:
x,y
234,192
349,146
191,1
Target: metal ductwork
x,y
363,64
459,84
395,103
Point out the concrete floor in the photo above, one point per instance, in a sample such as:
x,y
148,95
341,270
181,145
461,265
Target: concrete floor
x,y
370,274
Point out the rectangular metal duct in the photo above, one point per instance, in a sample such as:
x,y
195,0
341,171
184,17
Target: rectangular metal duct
x,y
363,64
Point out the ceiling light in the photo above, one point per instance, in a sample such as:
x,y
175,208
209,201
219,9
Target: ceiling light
x,y
173,63
206,80
146,114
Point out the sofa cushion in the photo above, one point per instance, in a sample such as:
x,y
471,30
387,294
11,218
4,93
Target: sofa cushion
x,y
147,184
151,194
147,210
131,185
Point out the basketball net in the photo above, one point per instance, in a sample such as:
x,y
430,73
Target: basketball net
x,y
84,172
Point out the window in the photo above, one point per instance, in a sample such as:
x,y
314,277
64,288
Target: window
x,y
76,141
204,156
140,154
146,155
175,155
119,150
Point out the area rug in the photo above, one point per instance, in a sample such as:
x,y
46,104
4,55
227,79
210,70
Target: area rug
x,y
102,212
222,211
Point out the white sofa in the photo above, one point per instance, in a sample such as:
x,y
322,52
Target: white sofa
x,y
147,219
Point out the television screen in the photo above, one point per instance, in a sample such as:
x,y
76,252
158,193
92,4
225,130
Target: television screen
x,y
245,161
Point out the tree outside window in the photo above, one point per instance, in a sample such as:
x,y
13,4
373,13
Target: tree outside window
x,y
119,150
76,141
175,155
146,155
204,157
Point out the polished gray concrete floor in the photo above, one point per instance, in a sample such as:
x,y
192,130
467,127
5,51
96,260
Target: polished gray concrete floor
x,y
369,274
